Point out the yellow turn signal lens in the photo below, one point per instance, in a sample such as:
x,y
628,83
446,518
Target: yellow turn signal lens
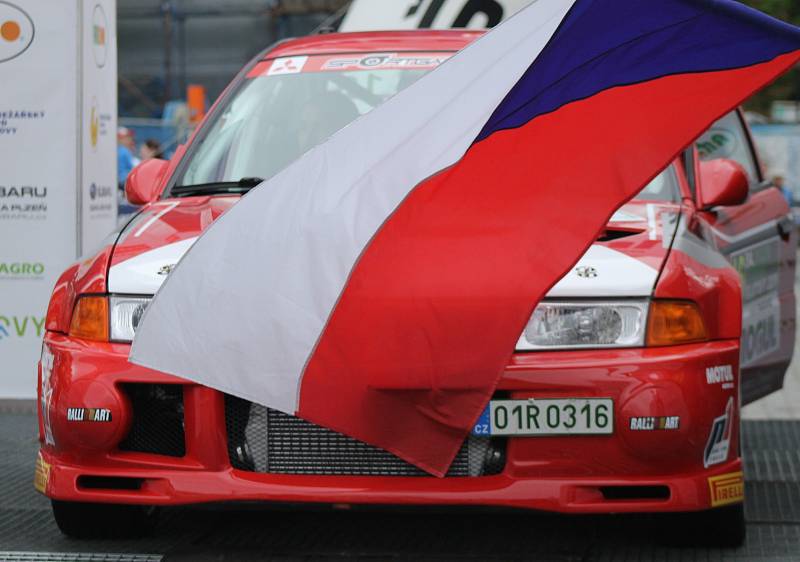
x,y
674,322
90,319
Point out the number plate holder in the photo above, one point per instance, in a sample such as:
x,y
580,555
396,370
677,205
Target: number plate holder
x,y
547,416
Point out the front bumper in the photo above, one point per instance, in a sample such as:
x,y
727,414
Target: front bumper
x,y
629,471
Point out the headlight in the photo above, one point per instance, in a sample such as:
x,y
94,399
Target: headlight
x,y
126,313
576,324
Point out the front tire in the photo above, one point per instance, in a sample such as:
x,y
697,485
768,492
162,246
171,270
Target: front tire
x,y
720,527
98,520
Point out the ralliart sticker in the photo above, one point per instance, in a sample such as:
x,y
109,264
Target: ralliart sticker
x,y
88,415
655,423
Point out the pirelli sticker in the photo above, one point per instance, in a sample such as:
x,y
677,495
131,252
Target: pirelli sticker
x,y
726,488
41,474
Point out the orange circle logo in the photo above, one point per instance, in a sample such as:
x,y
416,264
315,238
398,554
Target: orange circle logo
x,y
16,31
10,30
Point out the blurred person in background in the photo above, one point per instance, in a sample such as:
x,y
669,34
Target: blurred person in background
x,y
126,161
780,183
151,148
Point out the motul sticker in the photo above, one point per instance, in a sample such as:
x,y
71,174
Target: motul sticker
x,y
726,488
719,440
721,375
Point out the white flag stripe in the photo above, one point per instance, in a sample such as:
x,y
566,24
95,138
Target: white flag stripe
x,y
258,287
141,274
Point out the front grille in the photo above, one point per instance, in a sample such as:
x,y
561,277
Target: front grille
x,y
264,440
157,425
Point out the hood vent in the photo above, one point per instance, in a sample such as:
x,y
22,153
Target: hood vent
x,y
610,234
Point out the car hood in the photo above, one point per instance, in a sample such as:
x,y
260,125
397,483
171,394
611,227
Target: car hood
x,y
624,262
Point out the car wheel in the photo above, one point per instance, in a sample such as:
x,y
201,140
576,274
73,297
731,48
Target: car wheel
x,y
98,520
720,527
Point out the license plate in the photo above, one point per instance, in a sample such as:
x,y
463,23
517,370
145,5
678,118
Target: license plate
x,y
567,416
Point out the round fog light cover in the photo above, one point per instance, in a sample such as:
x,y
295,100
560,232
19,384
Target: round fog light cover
x,y
91,415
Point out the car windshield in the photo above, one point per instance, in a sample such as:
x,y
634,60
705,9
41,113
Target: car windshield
x,y
286,106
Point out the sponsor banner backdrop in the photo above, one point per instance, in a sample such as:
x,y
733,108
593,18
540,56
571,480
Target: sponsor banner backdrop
x,y
366,15
40,169
98,188
38,70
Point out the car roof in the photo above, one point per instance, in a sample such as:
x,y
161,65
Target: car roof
x,y
372,41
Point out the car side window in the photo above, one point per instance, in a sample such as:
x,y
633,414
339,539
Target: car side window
x,y
727,138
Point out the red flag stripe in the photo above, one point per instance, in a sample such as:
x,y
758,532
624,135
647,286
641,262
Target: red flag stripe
x,y
422,340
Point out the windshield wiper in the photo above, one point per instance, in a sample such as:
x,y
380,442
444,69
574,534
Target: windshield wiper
x,y
242,186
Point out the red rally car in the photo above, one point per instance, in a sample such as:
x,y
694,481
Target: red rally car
x,y
623,396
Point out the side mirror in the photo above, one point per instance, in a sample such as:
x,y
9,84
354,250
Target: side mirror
x,y
722,182
144,182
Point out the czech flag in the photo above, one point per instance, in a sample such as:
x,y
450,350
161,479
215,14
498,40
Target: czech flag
x,y
378,285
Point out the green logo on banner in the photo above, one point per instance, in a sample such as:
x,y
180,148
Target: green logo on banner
x,y
21,270
20,327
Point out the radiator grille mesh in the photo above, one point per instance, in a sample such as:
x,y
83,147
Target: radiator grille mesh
x,y
158,425
265,440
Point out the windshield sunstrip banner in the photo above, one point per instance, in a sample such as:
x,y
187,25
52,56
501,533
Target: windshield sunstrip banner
x,y
347,63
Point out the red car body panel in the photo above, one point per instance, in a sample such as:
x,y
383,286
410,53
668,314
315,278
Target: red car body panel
x,y
565,474
628,471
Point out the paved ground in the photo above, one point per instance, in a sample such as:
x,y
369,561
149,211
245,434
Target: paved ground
x,y
242,533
